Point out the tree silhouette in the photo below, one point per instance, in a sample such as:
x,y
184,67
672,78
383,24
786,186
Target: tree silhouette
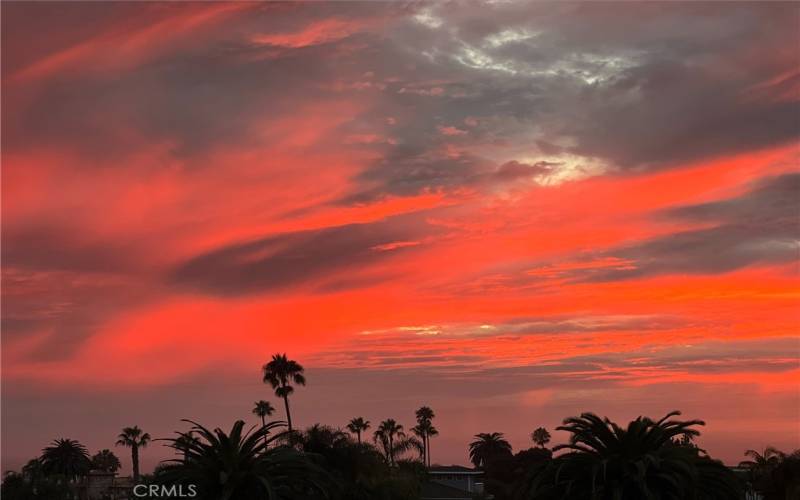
x,y
393,441
766,460
106,461
263,409
280,373
357,426
183,442
540,436
785,478
318,438
242,465
487,447
33,470
762,465
606,461
134,438
362,472
65,457
425,430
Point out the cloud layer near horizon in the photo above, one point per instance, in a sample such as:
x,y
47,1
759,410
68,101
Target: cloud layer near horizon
x,y
551,198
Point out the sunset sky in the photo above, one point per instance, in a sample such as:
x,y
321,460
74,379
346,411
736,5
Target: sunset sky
x,y
510,212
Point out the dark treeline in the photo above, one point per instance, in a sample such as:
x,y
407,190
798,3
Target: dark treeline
x,y
272,460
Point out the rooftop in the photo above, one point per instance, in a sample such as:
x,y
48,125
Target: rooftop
x,y
453,469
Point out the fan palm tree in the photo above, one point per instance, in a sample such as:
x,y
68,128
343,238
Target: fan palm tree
x,y
393,441
65,457
540,436
280,373
606,461
425,430
134,438
357,426
488,447
263,409
430,432
243,465
106,461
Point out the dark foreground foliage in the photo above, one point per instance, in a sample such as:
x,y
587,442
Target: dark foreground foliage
x,y
646,459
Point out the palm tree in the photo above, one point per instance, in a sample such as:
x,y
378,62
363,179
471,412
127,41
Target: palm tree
x,y
761,465
243,465
134,438
540,436
767,460
785,478
65,457
263,409
357,426
606,461
488,447
425,430
393,440
106,461
183,442
430,432
280,372
318,438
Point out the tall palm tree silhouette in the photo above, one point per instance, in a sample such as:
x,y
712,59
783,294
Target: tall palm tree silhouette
x,y
540,436
280,373
263,409
134,438
65,457
425,429
357,426
487,447
388,434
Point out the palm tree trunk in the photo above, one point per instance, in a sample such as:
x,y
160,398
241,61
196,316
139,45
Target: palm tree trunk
x,y
428,450
264,424
391,451
288,414
135,460
359,436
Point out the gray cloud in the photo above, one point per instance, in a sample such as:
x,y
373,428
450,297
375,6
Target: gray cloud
x,y
759,227
518,81
285,260
534,81
216,92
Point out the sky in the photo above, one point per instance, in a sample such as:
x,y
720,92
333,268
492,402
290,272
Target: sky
x,y
510,212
